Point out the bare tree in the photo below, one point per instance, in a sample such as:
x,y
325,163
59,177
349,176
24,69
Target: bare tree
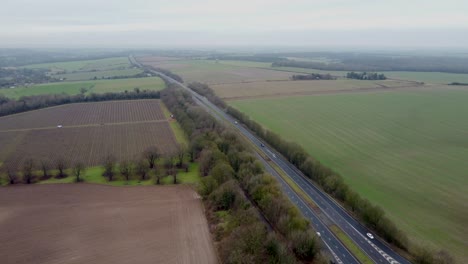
x,y
11,172
45,166
78,170
172,158
126,169
180,154
109,167
141,168
61,165
28,166
151,154
158,174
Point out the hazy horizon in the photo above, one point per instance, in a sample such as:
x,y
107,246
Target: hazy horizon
x,y
209,23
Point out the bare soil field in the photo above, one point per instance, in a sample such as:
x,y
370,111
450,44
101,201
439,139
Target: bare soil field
x,y
211,72
89,132
84,223
85,114
241,91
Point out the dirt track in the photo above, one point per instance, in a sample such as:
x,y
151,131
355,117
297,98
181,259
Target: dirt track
x,y
83,223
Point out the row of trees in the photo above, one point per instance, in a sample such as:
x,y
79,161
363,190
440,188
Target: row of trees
x,y
169,73
366,76
26,103
31,170
371,215
234,181
151,161
312,76
204,89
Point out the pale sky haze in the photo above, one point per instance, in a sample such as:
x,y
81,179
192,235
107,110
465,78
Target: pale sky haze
x,y
178,23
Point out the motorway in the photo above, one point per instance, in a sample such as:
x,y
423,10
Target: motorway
x,y
329,210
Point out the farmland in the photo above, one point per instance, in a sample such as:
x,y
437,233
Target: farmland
x,y
427,77
92,86
86,223
404,150
237,91
212,72
89,132
84,65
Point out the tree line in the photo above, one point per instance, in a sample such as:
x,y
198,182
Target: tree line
x,y
330,181
150,162
26,103
312,76
366,76
234,183
169,73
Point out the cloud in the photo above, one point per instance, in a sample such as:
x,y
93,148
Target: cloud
x,y
32,19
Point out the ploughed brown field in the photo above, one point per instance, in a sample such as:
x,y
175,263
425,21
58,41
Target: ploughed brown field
x,y
85,223
88,133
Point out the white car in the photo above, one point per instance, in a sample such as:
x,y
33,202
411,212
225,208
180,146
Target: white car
x,y
318,234
370,235
59,126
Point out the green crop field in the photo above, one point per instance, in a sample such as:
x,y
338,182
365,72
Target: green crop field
x,y
97,86
85,65
405,151
83,76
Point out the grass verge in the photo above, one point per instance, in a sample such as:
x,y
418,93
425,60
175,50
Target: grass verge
x,y
179,134
94,175
350,245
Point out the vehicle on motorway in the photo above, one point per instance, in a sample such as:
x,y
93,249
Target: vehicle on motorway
x,y
370,235
262,145
318,234
235,122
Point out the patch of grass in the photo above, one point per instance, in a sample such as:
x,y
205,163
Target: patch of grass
x,y
94,175
404,151
179,134
350,245
190,177
98,86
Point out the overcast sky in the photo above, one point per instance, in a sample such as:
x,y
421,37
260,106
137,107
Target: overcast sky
x,y
185,23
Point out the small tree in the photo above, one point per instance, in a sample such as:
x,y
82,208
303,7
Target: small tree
x,y
180,154
45,166
151,154
159,175
11,173
78,170
141,169
28,171
126,169
61,165
109,167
